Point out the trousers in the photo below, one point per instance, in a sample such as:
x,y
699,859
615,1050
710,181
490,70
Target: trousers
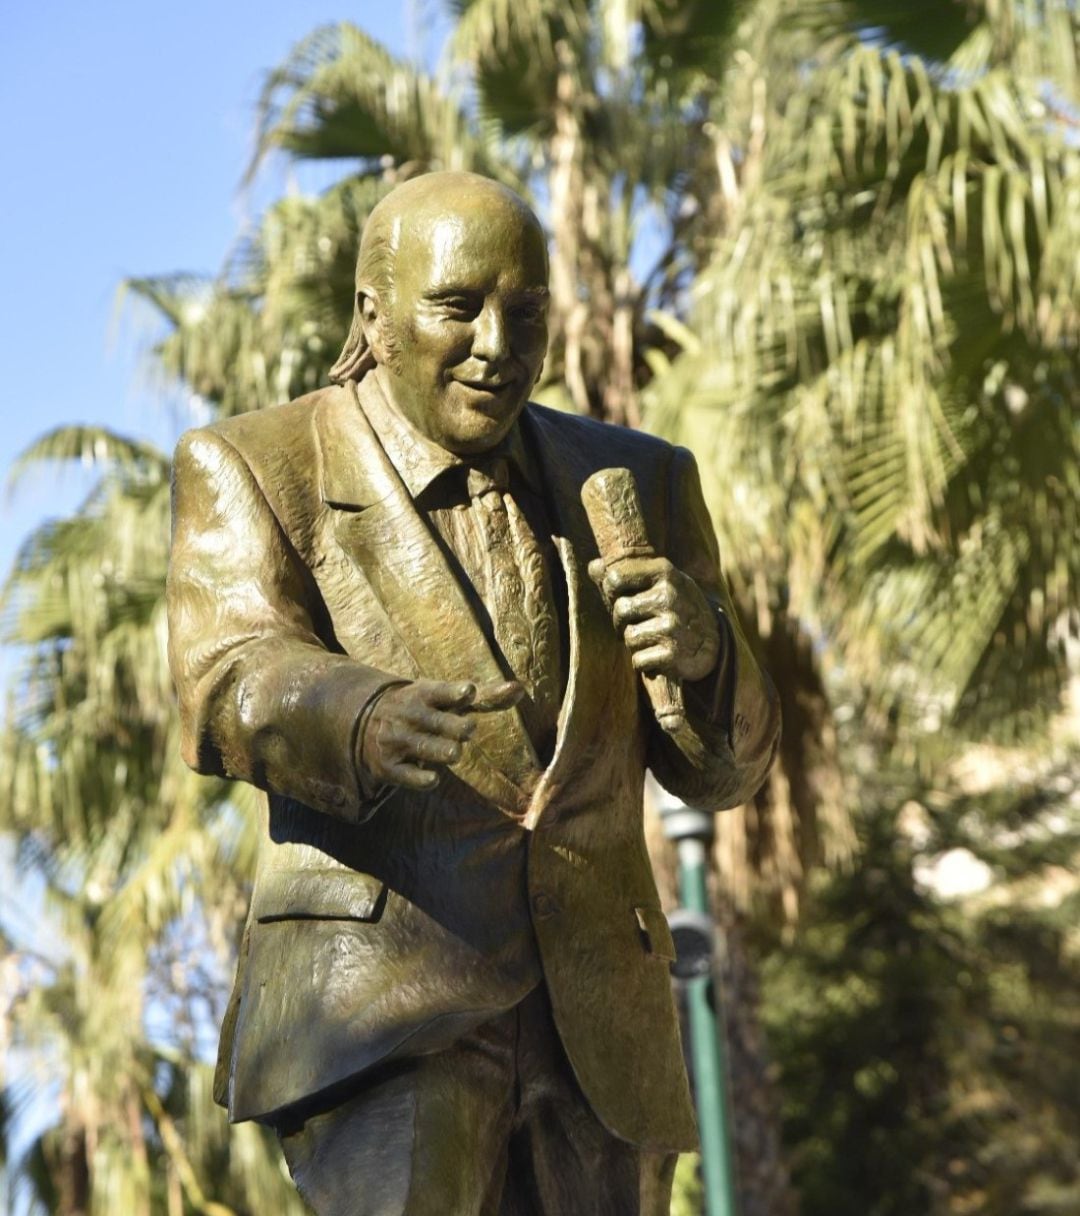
x,y
495,1125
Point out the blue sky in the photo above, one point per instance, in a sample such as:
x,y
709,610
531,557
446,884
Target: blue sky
x,y
126,129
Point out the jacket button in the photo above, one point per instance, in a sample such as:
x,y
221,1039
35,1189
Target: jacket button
x,y
543,906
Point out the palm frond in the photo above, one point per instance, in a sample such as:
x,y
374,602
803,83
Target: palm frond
x,y
340,94
91,446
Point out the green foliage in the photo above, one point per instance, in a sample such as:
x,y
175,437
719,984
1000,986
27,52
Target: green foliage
x,y
127,848
830,246
885,355
927,1047
686,1193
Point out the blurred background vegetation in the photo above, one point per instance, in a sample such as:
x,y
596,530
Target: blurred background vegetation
x,y
834,247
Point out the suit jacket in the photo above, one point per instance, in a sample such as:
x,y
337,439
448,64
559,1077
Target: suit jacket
x,y
302,581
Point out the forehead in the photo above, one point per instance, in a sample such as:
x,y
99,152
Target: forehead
x,y
483,246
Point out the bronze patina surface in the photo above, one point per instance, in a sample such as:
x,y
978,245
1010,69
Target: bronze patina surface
x,y
388,610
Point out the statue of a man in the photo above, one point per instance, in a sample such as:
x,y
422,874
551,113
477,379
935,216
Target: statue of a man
x,y
387,610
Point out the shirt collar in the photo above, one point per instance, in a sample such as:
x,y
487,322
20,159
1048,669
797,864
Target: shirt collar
x,y
419,460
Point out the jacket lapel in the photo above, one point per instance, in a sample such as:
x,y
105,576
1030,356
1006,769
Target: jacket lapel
x,y
383,534
595,649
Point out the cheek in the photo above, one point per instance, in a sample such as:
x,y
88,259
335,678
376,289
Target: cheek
x,y
531,344
440,343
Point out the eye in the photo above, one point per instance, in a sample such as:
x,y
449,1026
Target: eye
x,y
529,312
459,307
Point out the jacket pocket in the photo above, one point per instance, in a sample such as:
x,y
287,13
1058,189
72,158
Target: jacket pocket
x,y
655,933
317,895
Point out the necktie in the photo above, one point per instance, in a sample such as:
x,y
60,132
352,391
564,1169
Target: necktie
x,y
518,595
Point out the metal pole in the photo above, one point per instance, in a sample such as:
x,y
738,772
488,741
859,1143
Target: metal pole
x,y
693,830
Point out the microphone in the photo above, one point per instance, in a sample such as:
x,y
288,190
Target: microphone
x,y
611,502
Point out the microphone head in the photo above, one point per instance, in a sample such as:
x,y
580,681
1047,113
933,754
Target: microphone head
x,y
611,502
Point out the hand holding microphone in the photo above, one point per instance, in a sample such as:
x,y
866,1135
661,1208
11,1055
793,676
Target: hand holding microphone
x,y
660,612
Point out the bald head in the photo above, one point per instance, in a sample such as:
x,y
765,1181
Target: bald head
x,y
451,307
431,206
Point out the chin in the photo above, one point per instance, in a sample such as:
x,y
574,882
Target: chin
x,y
476,431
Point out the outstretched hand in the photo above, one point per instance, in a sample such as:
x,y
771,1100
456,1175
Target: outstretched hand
x,y
662,614
416,730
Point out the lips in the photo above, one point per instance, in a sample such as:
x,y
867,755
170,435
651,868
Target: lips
x,y
487,386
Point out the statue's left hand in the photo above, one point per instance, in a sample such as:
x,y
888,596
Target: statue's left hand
x,y
662,615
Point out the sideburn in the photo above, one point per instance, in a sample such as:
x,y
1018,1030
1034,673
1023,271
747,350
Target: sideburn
x,y
393,347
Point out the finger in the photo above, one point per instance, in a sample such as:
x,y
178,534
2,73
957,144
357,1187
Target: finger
x,y
597,570
430,721
399,743
654,602
442,694
496,695
633,574
655,659
413,777
431,749
655,631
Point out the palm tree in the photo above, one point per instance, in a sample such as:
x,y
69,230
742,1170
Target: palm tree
x,y
881,366
832,250
880,361
142,869
884,350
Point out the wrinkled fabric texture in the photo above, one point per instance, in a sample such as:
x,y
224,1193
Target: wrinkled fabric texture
x,y
516,588
494,1126
491,516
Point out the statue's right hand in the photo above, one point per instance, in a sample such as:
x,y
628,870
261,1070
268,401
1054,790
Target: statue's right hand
x,y
414,731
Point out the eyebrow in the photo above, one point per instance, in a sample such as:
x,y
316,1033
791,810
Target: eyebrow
x,y
449,293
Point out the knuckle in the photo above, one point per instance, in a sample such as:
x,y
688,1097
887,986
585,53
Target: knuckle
x,y
391,735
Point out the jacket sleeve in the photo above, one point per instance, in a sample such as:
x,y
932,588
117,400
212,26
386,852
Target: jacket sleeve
x,y
262,699
734,712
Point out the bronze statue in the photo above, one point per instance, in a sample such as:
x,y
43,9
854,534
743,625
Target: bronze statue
x,y
387,609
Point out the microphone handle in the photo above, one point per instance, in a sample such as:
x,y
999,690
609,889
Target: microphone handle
x,y
613,507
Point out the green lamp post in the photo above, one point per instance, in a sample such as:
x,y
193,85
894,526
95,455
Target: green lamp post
x,y
694,931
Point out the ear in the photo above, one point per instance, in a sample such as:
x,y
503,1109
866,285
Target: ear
x,y
369,310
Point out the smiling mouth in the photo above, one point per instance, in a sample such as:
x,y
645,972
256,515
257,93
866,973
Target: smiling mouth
x,y
488,386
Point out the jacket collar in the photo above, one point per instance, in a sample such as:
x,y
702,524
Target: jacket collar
x,y
417,459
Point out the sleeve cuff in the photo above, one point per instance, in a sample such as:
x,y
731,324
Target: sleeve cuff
x,y
711,698
373,794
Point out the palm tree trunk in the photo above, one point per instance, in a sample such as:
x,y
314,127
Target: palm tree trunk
x,y
73,1176
567,203
620,402
763,1179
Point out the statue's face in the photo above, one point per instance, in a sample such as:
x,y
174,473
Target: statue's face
x,y
464,332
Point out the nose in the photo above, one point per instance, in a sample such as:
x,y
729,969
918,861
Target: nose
x,y
490,339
